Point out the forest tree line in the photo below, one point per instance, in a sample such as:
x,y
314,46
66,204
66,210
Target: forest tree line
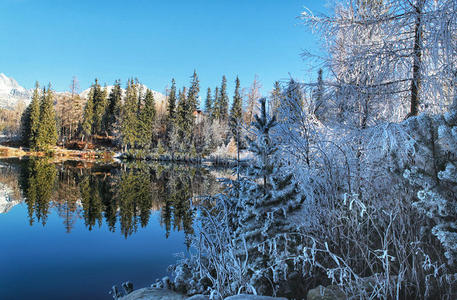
x,y
132,119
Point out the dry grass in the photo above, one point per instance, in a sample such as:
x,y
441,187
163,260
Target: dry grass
x,y
57,153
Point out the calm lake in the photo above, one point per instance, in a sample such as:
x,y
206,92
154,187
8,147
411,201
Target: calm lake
x,y
72,230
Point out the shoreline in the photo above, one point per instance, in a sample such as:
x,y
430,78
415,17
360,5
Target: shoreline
x,y
110,155
58,153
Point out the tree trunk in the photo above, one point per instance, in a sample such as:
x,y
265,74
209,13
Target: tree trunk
x,y
417,58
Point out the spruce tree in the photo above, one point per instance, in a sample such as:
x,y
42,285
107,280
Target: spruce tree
x,y
223,101
113,110
184,118
192,96
292,103
275,98
171,114
435,176
129,116
236,118
88,116
208,102
146,120
139,90
216,112
236,113
47,130
171,109
31,120
98,98
267,199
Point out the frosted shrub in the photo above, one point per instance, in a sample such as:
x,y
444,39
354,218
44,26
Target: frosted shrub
x,y
354,221
437,193
361,230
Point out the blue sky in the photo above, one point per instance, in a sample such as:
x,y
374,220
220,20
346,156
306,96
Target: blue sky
x,y
52,40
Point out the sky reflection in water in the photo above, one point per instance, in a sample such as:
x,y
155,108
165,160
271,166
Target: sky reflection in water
x,y
84,227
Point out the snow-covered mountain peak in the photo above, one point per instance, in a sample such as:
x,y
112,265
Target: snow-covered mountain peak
x,y
11,92
7,84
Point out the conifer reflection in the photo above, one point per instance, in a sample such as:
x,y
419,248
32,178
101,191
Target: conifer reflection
x,y
67,198
38,185
121,197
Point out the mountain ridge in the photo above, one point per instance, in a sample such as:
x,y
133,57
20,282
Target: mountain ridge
x,y
11,92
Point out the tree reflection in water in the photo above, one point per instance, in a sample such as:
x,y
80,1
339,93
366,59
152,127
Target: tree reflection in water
x,y
122,196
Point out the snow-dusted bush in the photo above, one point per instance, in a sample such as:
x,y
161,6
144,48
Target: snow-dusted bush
x,y
353,221
360,227
436,177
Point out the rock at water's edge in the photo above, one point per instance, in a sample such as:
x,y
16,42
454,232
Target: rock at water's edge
x,y
198,297
332,292
252,297
153,294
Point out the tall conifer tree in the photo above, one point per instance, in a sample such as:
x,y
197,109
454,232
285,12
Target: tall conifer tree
x,y
268,197
129,116
208,102
113,110
47,130
185,117
216,111
31,119
223,101
192,96
275,98
88,117
171,109
100,102
146,120
236,113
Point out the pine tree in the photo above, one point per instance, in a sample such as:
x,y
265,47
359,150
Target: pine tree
x,y
275,98
88,116
223,100
139,90
113,110
208,102
98,98
31,119
172,101
436,176
293,103
184,118
216,112
236,118
171,114
47,130
236,113
129,116
192,95
146,120
267,198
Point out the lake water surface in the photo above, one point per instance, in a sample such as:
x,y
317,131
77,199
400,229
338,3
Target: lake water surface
x,y
73,230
